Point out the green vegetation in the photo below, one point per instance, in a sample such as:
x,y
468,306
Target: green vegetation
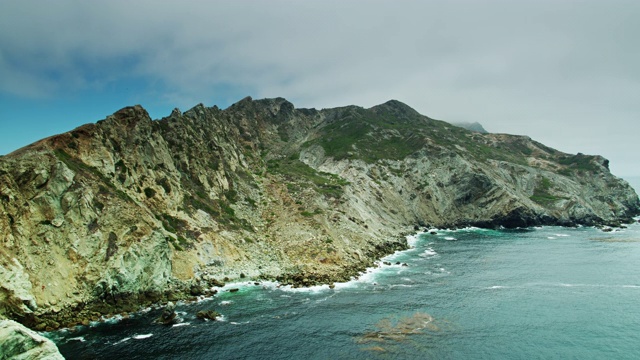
x,y
251,202
369,137
309,214
386,134
513,152
164,182
579,162
177,243
173,224
149,192
541,194
197,203
300,175
219,209
180,228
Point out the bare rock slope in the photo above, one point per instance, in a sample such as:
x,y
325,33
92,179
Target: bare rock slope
x,y
131,211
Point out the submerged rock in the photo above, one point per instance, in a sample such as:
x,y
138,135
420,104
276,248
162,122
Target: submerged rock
x,y
400,329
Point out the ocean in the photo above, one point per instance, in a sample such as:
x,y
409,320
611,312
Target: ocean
x,y
537,293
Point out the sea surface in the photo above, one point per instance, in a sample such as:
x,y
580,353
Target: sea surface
x,y
538,293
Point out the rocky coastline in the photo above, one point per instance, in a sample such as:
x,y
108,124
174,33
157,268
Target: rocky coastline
x,y
84,314
129,212
125,304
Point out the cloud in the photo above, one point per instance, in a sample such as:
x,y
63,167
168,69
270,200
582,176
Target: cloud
x,y
520,67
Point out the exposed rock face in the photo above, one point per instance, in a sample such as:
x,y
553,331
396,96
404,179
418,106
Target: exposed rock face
x,y
19,343
131,211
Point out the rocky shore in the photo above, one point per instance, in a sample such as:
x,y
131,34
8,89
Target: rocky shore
x,y
129,212
123,304
20,343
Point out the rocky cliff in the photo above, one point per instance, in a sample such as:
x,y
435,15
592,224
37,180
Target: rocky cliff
x,y
130,211
20,343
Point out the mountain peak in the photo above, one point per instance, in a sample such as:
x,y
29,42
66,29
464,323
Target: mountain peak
x,y
395,107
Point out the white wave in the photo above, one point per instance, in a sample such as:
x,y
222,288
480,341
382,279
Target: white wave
x,y
140,337
121,341
428,253
78,338
631,286
368,276
412,240
310,289
450,238
225,302
562,235
238,323
181,324
234,285
497,287
203,298
400,285
551,238
467,229
112,319
270,285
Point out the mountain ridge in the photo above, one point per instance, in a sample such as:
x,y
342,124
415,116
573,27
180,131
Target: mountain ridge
x,y
131,211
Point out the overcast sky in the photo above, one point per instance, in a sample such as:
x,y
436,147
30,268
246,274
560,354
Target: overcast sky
x,y
565,73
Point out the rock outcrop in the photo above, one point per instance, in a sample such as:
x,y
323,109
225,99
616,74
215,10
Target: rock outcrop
x,y
19,343
131,211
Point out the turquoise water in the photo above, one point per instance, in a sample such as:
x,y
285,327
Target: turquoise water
x,y
470,294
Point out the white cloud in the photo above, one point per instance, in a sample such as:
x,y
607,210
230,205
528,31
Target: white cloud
x,y
563,72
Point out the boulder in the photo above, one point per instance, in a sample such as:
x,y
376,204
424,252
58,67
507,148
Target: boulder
x,y
17,342
207,314
168,316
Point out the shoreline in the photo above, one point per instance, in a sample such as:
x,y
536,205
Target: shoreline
x,y
378,265
101,310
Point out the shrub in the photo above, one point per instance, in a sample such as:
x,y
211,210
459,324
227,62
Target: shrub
x,y
149,192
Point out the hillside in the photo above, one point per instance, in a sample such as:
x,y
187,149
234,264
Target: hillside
x,y
131,211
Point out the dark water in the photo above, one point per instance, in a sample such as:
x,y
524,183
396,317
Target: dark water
x,y
471,294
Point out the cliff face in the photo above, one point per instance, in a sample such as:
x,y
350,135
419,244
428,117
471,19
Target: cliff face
x,y
20,343
129,210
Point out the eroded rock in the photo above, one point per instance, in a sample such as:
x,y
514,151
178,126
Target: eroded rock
x,y
18,342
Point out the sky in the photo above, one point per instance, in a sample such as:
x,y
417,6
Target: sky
x,y
563,72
